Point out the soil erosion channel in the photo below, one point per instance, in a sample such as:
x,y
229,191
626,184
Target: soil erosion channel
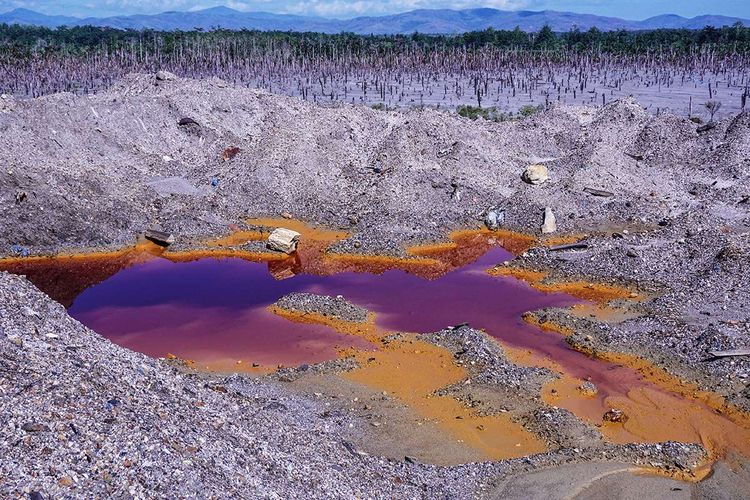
x,y
216,311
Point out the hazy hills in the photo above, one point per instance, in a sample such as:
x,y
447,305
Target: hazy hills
x,y
424,21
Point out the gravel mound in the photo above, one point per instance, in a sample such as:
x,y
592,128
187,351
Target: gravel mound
x,y
84,417
326,305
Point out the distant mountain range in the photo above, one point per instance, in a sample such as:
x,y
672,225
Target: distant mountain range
x,y
423,21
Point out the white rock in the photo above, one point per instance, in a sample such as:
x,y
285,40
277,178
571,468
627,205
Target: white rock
x,y
283,240
165,75
550,223
535,174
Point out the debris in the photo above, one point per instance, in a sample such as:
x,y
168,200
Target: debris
x,y
631,253
20,250
705,128
729,353
550,223
636,157
21,197
186,121
165,76
34,427
598,192
615,415
569,246
283,240
456,193
494,218
588,389
215,182
159,237
535,174
230,153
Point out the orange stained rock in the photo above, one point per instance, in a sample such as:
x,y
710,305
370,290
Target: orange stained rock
x,y
412,370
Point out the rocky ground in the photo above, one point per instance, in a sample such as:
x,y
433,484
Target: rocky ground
x,y
95,172
85,417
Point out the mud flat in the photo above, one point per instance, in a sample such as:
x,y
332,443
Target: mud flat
x,y
94,173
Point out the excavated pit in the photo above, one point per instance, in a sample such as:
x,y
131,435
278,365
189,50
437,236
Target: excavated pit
x,y
216,308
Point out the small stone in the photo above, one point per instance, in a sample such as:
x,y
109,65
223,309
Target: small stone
x,y
588,389
165,76
615,415
550,223
494,219
535,175
65,481
34,427
631,253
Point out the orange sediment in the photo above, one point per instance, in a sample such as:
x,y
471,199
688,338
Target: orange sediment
x,y
594,292
365,329
661,408
549,326
412,370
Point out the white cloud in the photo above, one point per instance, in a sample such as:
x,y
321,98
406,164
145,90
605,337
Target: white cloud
x,y
344,8
325,8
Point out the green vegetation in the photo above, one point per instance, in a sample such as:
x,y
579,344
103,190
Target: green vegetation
x,y
529,110
85,39
493,114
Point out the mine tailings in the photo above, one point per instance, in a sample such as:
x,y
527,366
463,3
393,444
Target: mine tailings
x,y
212,308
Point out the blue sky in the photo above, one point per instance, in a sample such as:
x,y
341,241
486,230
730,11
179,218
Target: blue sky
x,y
628,9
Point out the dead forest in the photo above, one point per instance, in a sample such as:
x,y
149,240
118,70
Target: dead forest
x,y
678,70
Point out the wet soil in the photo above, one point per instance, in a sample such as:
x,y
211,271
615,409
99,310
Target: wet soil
x,y
218,313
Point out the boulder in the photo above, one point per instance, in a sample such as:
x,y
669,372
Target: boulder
x,y
494,218
165,76
535,174
283,240
550,223
159,237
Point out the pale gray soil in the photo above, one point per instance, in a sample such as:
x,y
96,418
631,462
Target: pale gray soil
x,y
84,417
95,172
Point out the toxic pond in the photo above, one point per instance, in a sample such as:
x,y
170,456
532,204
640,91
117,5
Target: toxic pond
x,y
216,312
